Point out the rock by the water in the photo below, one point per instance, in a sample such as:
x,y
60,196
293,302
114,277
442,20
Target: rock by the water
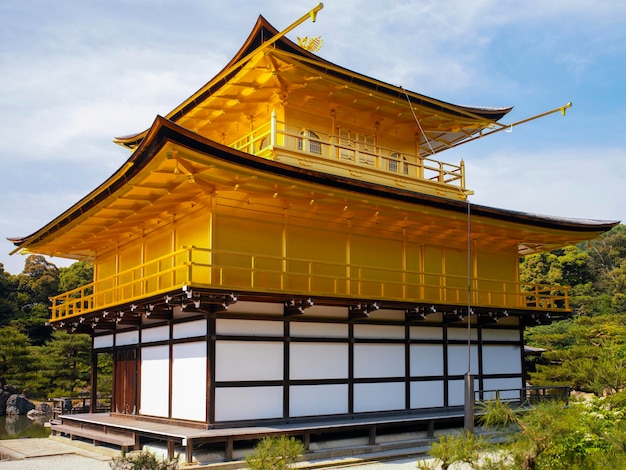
x,y
44,408
18,405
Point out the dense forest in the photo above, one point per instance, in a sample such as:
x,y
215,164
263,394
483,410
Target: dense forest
x,y
587,351
38,360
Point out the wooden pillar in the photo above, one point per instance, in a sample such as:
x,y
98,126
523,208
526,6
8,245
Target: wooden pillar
x,y
372,435
468,415
228,455
189,450
430,432
93,394
170,449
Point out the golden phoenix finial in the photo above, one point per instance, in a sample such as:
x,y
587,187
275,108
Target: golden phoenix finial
x,y
310,44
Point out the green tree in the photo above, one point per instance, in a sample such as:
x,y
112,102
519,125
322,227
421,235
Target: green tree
x,y
39,280
587,353
75,275
541,268
595,271
105,374
567,266
607,260
65,364
583,435
32,320
8,288
14,356
608,251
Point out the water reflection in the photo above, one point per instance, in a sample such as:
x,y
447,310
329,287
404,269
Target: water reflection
x,y
16,426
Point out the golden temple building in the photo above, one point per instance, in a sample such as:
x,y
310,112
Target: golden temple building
x,y
286,251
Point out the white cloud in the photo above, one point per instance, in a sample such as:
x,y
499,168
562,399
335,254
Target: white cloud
x,y
568,181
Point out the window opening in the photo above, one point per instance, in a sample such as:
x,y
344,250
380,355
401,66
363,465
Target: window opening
x,y
346,152
353,143
312,142
395,160
263,143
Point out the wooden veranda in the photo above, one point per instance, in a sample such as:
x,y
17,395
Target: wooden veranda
x,y
130,431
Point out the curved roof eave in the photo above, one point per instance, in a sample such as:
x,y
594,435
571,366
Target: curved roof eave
x,y
262,32
164,131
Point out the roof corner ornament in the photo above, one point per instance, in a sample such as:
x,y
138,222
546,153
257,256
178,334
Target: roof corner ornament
x,y
313,44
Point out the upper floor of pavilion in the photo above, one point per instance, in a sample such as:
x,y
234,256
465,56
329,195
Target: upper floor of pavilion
x,y
277,100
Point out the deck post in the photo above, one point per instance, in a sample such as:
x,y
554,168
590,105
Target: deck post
x,y
93,394
189,450
229,448
430,430
468,417
372,435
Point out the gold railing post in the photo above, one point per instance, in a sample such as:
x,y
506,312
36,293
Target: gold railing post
x,y
537,303
190,265
158,277
252,267
273,128
462,170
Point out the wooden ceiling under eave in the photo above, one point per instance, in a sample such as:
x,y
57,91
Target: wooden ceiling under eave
x,y
275,78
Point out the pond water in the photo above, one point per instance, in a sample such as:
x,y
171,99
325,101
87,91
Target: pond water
x,y
15,427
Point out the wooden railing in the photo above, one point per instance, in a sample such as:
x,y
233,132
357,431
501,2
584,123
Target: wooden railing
x,y
202,267
526,395
334,151
76,405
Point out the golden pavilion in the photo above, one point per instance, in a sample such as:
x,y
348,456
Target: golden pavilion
x,y
285,252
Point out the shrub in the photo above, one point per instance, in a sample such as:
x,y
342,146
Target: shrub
x,y
455,447
144,460
275,453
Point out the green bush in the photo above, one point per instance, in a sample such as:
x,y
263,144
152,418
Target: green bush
x,y
275,453
581,435
452,448
552,436
465,450
144,460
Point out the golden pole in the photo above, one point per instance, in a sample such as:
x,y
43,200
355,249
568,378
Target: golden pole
x,y
562,109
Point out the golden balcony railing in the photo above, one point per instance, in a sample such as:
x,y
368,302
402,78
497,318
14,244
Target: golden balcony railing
x,y
244,272
344,155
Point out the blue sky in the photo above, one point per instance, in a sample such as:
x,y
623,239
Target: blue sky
x,y
77,73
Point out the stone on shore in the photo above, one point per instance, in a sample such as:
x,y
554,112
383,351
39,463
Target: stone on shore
x,y
18,405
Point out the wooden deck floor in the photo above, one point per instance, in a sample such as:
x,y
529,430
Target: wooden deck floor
x,y
188,436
